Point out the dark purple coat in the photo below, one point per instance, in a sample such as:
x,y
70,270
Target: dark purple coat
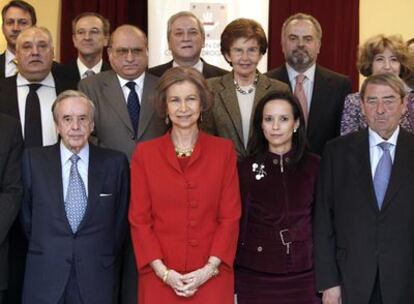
x,y
276,227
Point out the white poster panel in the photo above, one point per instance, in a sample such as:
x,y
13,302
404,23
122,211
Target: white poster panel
x,y
214,15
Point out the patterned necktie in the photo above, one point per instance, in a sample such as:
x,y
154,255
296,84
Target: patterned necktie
x,y
33,120
299,92
76,199
88,73
382,173
133,106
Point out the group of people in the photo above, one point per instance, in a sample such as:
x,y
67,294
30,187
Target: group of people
x,y
187,183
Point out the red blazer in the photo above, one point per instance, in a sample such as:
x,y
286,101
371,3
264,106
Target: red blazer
x,y
183,217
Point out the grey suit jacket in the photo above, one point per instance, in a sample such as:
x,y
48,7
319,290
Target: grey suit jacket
x,y
224,119
113,128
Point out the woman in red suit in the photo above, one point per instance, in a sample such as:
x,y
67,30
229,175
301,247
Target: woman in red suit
x,y
274,259
185,202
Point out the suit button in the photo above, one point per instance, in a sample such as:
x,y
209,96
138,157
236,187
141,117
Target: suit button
x,y
193,204
193,243
192,224
191,185
259,249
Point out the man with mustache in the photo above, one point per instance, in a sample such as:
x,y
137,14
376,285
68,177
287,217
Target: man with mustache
x,y
320,91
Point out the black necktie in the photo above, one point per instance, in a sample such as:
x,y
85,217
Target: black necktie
x,y
32,120
133,105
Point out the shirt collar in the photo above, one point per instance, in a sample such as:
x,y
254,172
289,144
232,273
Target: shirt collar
x,y
138,81
83,68
9,56
198,66
66,154
292,73
375,139
47,82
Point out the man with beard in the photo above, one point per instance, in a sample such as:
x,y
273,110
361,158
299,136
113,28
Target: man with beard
x,y
320,91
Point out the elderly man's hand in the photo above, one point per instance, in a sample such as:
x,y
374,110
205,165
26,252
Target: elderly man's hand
x,y
332,295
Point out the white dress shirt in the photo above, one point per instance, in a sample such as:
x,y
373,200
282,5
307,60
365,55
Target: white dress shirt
x,y
83,68
375,151
308,82
10,68
83,164
139,86
47,96
198,66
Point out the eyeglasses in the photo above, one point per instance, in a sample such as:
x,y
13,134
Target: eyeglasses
x,y
388,101
123,52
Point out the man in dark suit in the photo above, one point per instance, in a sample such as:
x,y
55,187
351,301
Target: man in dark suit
x,y
364,213
74,211
11,190
16,15
34,51
125,114
323,91
186,37
90,34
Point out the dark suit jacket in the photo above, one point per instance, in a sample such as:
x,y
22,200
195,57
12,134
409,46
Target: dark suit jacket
x,y
224,119
71,71
11,190
2,64
353,238
53,248
209,70
329,92
8,94
113,127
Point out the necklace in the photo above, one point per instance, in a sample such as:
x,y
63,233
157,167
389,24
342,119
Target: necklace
x,y
183,152
251,89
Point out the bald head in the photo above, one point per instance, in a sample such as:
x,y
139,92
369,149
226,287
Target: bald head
x,y
127,52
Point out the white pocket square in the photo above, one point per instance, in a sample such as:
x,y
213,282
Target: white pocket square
x,y
105,194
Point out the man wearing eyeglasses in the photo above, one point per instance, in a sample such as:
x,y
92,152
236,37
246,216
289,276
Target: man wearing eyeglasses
x,y
124,113
364,211
90,35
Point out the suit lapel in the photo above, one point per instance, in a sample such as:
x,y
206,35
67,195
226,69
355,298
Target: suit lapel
x,y
228,98
402,168
96,177
360,162
262,87
9,102
147,110
55,170
284,77
167,149
116,100
317,101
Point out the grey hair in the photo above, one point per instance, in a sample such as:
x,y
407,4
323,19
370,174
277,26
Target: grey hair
x,y
70,94
174,17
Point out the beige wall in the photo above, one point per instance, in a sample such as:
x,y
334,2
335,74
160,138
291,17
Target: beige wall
x,y
48,12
